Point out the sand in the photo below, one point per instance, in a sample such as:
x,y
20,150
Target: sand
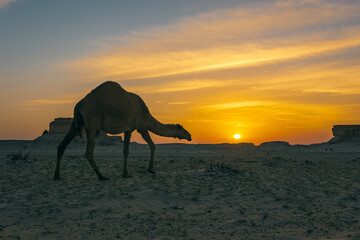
x,y
199,192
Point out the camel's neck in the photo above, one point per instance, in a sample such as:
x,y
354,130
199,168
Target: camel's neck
x,y
165,130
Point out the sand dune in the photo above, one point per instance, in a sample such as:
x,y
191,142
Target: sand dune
x,y
199,192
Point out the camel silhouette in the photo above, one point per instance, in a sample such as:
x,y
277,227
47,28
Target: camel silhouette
x,y
112,109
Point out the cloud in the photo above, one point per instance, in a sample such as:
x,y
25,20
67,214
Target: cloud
x,y
337,78
178,103
4,3
39,102
179,85
229,38
241,104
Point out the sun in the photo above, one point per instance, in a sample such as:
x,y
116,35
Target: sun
x,y
237,136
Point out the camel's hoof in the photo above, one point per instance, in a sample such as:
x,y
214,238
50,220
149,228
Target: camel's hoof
x,y
103,178
151,171
126,175
56,178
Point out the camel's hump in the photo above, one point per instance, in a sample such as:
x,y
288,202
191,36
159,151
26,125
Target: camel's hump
x,y
108,84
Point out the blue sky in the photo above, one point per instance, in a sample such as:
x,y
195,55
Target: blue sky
x,y
36,32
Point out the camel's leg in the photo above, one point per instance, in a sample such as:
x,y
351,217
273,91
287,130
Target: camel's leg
x,y
127,137
90,153
61,148
147,138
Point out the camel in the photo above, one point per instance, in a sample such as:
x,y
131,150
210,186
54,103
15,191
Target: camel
x,y
112,109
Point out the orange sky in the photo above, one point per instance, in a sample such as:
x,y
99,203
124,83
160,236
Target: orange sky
x,y
285,70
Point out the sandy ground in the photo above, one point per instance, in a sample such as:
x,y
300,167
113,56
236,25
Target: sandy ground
x,y
199,192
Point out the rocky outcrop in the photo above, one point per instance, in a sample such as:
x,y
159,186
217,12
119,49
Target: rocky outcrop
x,y
345,133
274,145
60,126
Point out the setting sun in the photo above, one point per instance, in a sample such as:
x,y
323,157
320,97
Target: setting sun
x,y
237,136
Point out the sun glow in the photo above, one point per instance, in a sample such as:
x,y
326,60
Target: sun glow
x,y
237,136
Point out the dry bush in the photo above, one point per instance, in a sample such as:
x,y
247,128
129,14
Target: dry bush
x,y
19,155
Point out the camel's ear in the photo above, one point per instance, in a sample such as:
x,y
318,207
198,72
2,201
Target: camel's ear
x,y
178,126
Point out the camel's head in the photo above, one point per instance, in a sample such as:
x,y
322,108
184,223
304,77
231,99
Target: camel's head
x,y
181,133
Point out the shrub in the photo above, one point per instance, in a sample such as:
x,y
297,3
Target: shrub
x,y
19,155
223,168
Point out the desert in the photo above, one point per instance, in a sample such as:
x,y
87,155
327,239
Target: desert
x,y
200,191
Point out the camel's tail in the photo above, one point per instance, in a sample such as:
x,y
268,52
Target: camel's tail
x,y
78,120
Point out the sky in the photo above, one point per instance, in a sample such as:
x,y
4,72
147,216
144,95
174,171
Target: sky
x,y
275,70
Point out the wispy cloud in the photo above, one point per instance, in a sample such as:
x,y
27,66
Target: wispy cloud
x,y
39,102
230,38
4,3
178,103
241,104
179,85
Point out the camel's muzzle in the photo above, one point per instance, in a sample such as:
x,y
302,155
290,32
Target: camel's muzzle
x,y
188,138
